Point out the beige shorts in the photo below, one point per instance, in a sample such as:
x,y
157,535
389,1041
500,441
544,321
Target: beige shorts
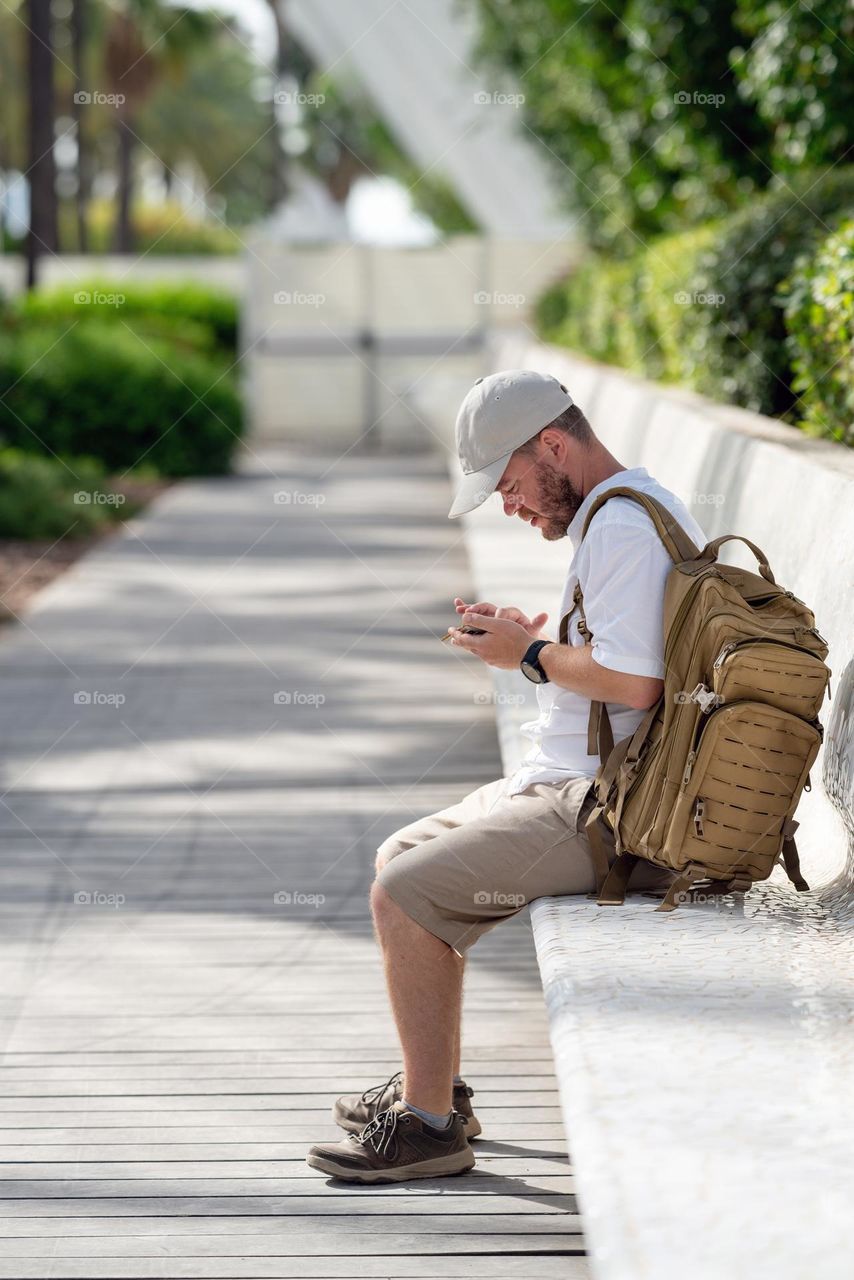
x,y
463,870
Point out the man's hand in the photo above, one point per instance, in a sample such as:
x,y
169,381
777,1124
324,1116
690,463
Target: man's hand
x,y
504,643
531,625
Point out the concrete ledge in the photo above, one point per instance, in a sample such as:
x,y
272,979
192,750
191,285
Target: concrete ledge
x,y
704,1058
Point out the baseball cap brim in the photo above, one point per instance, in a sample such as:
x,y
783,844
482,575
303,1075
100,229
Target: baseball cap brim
x,y
477,486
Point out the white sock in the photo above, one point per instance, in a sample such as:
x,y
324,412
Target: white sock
x,y
433,1118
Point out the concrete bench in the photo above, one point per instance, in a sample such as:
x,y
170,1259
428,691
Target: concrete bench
x,y
705,1058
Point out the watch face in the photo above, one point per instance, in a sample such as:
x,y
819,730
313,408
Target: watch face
x,y
532,673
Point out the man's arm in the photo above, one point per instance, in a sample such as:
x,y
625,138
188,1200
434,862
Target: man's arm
x,y
574,667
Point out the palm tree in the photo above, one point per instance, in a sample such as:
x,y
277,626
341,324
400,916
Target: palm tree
x,y
78,43
41,170
146,41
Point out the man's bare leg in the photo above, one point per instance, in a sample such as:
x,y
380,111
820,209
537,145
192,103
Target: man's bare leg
x,y
457,1046
424,978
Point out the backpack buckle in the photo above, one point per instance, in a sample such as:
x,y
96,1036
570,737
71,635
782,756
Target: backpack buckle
x,y
699,815
706,698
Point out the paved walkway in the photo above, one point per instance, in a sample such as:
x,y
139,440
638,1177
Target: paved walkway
x,y
210,724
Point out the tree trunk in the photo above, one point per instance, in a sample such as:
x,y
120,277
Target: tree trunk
x,y
124,240
78,35
279,177
42,233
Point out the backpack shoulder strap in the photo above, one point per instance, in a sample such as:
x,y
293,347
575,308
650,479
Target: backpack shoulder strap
x,y
679,546
600,736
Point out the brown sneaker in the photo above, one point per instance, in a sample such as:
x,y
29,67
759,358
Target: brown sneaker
x,y
353,1111
397,1145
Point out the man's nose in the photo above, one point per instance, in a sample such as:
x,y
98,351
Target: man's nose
x,y
512,505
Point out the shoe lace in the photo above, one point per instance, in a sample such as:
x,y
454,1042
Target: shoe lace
x,y
379,1133
376,1091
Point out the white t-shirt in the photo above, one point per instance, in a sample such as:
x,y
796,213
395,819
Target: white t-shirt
x,y
622,566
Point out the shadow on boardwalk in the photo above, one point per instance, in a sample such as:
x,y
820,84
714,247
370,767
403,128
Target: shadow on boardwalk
x,y
211,723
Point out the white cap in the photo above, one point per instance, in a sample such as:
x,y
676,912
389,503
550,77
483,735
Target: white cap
x,y
499,414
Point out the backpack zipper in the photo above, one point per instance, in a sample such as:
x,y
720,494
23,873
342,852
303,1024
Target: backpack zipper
x,y
734,644
689,765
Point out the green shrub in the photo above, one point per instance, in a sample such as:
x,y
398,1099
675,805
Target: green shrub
x,y
743,342
820,321
107,393
188,315
44,497
704,308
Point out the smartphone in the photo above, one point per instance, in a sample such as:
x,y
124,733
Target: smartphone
x,y
467,630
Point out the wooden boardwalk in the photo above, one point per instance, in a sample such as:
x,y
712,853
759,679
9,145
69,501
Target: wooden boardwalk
x,y
190,975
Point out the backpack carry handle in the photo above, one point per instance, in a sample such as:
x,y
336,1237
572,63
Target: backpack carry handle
x,y
711,549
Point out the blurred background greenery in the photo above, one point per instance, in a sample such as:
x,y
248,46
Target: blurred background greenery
x,y
704,151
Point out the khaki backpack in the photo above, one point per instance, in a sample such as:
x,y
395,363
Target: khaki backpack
x,y
708,784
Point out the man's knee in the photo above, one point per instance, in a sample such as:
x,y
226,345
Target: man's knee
x,y
383,906
388,849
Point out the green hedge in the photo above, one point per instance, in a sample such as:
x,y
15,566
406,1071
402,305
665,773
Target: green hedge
x,y
102,391
188,315
820,321
40,497
705,308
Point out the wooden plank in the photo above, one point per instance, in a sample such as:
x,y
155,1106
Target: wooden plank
x,y
295,1167
221,1127
260,1228
14,1154
59,1188
425,1197
487,1266
295,1243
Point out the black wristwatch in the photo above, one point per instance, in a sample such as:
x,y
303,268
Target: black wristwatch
x,y
530,664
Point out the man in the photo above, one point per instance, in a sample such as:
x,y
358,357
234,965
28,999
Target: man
x,y
446,879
